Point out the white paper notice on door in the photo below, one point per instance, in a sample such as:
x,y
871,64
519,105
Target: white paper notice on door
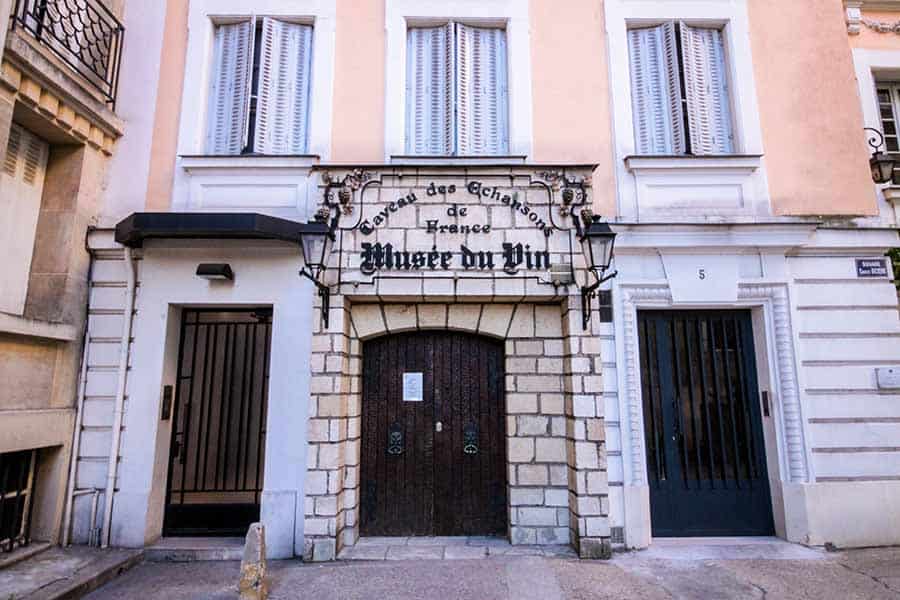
x,y
412,387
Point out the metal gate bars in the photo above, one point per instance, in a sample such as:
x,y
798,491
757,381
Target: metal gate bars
x,y
216,462
17,471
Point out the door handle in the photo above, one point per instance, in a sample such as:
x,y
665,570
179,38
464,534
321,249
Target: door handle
x,y
176,448
438,426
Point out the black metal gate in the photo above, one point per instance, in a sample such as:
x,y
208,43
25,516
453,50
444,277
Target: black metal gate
x,y
216,461
705,450
17,473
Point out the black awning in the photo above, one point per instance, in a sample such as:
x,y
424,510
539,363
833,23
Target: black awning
x,y
133,230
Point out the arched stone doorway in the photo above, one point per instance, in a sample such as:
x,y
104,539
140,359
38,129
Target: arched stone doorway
x,y
556,490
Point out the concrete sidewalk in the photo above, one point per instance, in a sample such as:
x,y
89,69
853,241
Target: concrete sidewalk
x,y
663,573
64,572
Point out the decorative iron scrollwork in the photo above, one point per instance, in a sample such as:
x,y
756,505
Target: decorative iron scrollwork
x,y
470,439
85,34
346,186
573,189
395,439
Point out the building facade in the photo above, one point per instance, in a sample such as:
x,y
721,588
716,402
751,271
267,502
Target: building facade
x,y
341,266
58,129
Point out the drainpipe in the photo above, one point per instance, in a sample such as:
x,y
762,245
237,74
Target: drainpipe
x,y
76,440
79,404
120,396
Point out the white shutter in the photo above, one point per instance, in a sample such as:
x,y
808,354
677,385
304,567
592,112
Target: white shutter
x,y
282,105
429,90
656,90
481,91
230,93
706,90
21,187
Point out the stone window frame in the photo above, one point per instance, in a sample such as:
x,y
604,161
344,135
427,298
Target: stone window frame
x,y
744,169
512,14
202,17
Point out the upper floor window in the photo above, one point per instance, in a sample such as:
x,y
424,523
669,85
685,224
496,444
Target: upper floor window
x,y
259,97
456,91
21,188
889,111
680,96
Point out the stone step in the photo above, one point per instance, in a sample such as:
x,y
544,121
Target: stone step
x,y
20,554
195,549
66,573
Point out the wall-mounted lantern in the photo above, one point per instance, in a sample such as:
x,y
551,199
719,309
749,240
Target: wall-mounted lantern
x,y
315,244
881,164
597,242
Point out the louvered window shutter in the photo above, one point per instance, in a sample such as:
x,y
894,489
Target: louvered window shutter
x,y
656,90
282,105
429,91
230,91
706,90
481,91
21,187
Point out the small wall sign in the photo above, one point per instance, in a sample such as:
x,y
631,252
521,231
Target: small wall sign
x,y
871,267
888,378
412,387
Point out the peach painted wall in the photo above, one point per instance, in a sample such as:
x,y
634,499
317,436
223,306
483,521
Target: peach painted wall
x,y
358,125
572,122
168,107
810,109
873,40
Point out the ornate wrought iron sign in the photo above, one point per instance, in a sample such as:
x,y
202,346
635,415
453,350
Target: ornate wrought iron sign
x,y
395,439
470,439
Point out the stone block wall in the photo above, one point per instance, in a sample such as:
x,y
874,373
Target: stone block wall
x,y
557,489
536,426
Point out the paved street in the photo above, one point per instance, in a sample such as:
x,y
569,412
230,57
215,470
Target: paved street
x,y
661,573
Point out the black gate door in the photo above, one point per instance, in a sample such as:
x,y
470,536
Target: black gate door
x,y
705,454
435,466
218,434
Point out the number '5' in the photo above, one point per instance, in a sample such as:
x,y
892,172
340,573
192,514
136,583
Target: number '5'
x,y
701,274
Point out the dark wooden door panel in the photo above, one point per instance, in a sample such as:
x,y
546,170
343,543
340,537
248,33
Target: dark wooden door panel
x,y
397,440
435,467
705,454
218,435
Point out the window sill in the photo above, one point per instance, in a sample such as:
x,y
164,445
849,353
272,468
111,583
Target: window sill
x,y
892,193
697,186
191,163
23,326
459,161
272,185
746,163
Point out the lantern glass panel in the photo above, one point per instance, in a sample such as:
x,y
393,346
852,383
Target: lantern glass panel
x,y
314,249
602,250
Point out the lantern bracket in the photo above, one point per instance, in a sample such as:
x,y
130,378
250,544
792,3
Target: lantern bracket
x,y
588,293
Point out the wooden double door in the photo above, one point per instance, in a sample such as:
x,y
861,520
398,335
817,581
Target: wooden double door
x,y
706,460
433,436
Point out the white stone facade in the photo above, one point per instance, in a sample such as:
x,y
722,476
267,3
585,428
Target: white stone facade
x,y
556,479
820,334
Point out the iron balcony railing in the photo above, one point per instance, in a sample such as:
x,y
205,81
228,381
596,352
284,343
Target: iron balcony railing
x,y
83,33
